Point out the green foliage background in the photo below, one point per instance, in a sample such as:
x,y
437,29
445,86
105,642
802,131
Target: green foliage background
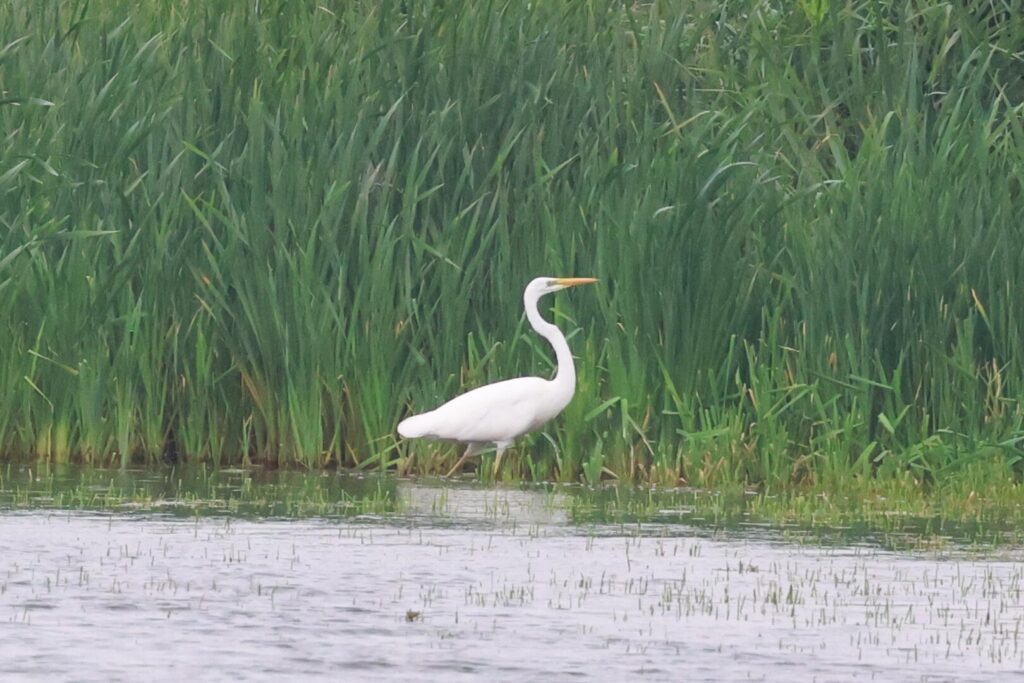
x,y
265,231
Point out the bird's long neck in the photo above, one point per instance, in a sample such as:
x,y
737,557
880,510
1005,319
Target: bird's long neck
x,y
565,378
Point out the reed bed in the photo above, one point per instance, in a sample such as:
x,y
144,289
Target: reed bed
x,y
263,232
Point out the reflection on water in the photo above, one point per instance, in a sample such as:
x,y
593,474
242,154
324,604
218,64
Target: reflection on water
x,y
466,583
475,506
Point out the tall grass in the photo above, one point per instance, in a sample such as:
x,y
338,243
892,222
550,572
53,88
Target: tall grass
x,y
265,231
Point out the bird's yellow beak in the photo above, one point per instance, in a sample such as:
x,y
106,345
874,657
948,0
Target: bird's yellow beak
x,y
573,281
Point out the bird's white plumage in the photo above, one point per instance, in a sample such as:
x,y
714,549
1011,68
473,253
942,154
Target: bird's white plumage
x,y
500,412
492,413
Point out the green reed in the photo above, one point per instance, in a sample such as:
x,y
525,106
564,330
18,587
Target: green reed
x,y
264,232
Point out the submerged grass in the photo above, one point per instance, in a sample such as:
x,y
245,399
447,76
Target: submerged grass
x,y
264,232
880,512
196,491
896,510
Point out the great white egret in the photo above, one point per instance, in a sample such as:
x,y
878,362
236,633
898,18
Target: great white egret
x,y
498,413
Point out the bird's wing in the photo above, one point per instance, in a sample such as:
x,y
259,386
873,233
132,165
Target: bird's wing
x,y
496,412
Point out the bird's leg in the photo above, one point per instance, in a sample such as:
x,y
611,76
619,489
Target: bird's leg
x,y
471,450
502,445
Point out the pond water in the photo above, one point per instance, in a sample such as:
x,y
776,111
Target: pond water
x,y
467,583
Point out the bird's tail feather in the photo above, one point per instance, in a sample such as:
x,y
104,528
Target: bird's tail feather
x,y
414,427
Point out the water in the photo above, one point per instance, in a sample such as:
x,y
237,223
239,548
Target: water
x,y
502,585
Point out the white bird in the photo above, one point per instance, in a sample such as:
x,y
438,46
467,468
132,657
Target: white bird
x,y
498,413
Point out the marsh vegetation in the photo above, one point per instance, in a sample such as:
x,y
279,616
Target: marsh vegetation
x,y
227,230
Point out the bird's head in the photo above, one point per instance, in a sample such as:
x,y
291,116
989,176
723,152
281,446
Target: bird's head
x,y
546,285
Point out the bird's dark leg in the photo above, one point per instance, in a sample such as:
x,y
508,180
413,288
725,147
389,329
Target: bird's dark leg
x,y
471,450
497,458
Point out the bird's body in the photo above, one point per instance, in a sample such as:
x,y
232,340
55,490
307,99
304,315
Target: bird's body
x,y
490,414
499,413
